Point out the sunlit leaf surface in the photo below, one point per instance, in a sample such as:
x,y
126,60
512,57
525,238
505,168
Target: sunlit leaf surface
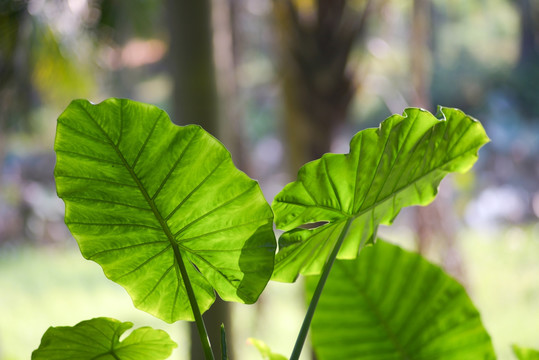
x,y
525,353
392,304
265,350
399,164
142,193
99,338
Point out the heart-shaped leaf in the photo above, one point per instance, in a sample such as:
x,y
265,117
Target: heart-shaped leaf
x,y
144,196
399,164
99,338
392,304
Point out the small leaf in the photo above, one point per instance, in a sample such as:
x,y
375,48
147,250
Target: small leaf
x,y
265,351
393,304
99,338
399,164
143,194
525,353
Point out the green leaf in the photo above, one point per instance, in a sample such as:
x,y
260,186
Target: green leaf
x,y
99,338
142,194
525,353
399,164
265,351
393,304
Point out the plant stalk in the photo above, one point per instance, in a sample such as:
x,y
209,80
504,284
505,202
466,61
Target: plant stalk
x,y
201,327
224,351
300,341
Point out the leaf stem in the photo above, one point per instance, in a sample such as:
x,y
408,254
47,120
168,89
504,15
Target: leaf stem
x,y
224,351
201,327
300,341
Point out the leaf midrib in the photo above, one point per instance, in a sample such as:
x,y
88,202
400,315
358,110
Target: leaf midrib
x,y
414,182
384,199
393,193
391,336
179,261
140,186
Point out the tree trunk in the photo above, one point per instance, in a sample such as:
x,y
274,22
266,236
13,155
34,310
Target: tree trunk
x,y
435,222
420,55
529,34
317,83
194,101
191,60
225,43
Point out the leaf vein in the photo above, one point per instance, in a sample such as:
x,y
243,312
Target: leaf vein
x,y
314,205
89,157
141,265
113,224
213,210
333,187
173,168
412,182
99,331
218,271
84,135
144,143
158,282
374,310
460,137
178,277
97,254
375,171
75,198
395,160
97,179
220,230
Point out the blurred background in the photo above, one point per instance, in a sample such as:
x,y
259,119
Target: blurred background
x,y
279,83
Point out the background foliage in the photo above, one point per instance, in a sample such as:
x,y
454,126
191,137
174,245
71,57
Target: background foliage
x,y
479,56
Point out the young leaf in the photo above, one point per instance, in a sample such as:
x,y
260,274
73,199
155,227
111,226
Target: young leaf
x,y
399,164
525,353
393,304
265,351
143,195
99,338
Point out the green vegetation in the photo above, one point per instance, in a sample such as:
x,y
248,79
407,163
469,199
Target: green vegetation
x,y
391,303
525,354
99,338
122,165
167,198
279,84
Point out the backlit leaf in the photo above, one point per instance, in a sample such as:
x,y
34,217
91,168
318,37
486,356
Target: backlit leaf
x,y
393,304
99,338
265,350
525,353
399,164
142,194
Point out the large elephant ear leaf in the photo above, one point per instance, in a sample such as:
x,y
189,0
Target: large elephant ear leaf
x,y
393,304
399,164
145,198
99,338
